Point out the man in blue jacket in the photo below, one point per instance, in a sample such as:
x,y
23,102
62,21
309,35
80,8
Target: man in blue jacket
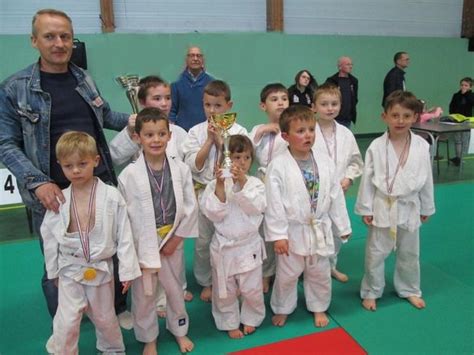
x,y
187,92
37,105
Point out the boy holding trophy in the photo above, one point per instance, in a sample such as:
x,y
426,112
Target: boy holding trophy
x,y
202,151
236,207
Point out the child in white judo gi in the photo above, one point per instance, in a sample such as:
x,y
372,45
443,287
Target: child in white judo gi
x,y
79,242
395,197
162,208
236,207
202,150
305,206
268,143
339,143
153,91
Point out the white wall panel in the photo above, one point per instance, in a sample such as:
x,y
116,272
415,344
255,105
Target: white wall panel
x,y
179,16
16,15
432,18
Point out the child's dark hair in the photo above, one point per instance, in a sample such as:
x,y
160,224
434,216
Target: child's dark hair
x,y
270,89
148,82
218,88
239,143
150,114
405,99
294,113
467,80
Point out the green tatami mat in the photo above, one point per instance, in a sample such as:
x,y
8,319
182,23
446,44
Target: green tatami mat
x,y
444,327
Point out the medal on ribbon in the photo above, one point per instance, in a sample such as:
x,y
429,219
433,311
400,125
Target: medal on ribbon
x,y
89,273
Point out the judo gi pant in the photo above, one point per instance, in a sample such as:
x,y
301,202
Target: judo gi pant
x,y
248,285
316,281
202,254
161,295
337,248
269,264
145,321
378,247
98,303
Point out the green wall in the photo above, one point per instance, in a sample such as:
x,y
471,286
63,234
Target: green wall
x,y
249,61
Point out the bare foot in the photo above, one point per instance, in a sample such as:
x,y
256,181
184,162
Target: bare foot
x,y
185,344
416,301
248,329
206,294
279,319
369,304
188,296
150,348
266,284
320,319
235,334
339,276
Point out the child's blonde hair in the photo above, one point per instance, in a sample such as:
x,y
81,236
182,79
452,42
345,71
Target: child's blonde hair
x,y
327,88
74,142
295,113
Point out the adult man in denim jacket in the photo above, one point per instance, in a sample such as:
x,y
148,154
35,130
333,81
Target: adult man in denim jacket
x,y
37,105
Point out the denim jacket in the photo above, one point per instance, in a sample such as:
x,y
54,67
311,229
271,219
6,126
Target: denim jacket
x,y
25,127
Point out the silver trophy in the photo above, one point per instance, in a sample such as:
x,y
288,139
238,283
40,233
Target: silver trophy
x,y
130,83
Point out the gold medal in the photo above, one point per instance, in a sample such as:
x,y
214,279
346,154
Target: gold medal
x,y
164,230
90,274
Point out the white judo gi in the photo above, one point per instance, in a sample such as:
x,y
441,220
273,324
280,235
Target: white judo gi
x,y
267,148
197,135
396,223
135,186
237,251
124,150
64,258
310,235
348,161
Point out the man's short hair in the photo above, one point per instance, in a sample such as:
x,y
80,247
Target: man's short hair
x,y
405,99
150,81
397,56
51,12
150,114
238,143
218,88
75,142
271,89
327,88
295,113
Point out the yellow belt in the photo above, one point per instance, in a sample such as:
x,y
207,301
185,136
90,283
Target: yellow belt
x,y
198,186
164,230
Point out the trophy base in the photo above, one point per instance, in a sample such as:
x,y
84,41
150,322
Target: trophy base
x,y
226,173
